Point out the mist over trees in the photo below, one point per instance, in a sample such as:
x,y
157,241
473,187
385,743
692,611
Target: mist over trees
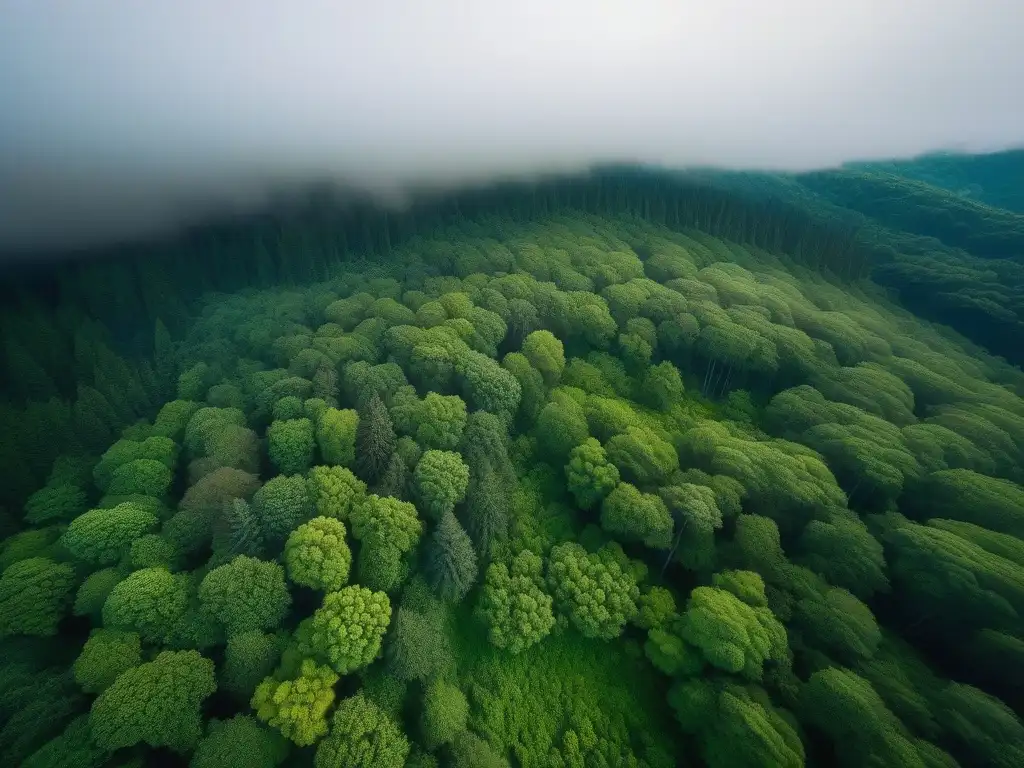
x,y
626,468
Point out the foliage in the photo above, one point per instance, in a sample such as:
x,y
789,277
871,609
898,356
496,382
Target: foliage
x,y
246,594
362,736
317,554
240,741
157,703
34,593
441,480
297,707
514,605
592,589
348,628
450,562
677,422
589,475
106,654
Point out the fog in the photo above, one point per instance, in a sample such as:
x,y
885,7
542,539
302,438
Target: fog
x,y
121,118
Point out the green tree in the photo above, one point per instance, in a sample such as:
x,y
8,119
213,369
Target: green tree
x,y
151,602
545,353
417,647
637,516
845,706
297,707
106,654
317,554
662,386
736,727
375,440
440,421
445,712
246,594
450,562
336,435
157,703
514,605
335,491
348,628
290,444
283,504
732,635
239,742
101,536
34,594
249,657
592,590
589,474
362,736
441,480
642,456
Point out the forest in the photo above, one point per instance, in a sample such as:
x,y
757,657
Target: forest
x,y
627,468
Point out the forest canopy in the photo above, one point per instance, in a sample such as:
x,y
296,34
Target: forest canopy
x,y
629,470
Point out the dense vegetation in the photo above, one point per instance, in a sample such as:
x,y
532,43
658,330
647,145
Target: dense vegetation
x,y
626,470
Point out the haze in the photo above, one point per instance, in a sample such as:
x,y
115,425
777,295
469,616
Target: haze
x,y
118,119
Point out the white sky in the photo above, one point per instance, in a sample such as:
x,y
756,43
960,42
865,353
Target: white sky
x,y
114,114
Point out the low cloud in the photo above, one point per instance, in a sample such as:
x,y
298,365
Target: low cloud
x,y
119,119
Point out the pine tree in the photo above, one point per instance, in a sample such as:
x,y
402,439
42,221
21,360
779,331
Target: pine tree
x,y
375,441
450,563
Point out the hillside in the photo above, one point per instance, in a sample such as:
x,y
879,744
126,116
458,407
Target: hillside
x,y
631,468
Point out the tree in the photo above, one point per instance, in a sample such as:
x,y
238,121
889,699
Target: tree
x,y
662,386
843,552
55,503
317,554
362,736
561,426
732,635
545,353
637,516
93,591
106,654
249,657
440,421
157,703
445,712
290,443
592,590
696,516
514,605
283,504
336,435
347,629
375,440
736,727
241,742
642,456
838,622
847,708
246,594
380,520
450,562
589,474
335,491
417,646
488,386
297,707
981,728
441,480
657,606
101,536
34,594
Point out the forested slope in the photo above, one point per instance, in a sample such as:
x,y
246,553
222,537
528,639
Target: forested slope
x,y
623,470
